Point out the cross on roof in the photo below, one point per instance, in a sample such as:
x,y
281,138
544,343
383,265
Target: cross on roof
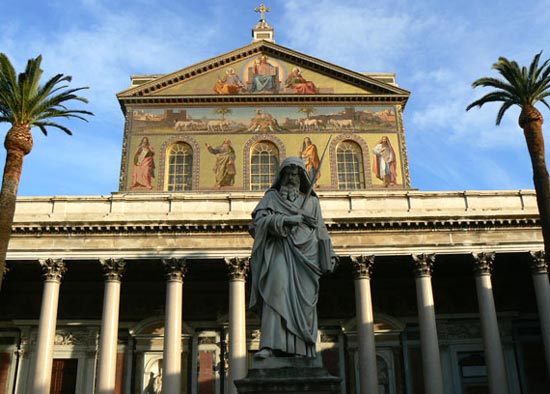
x,y
262,9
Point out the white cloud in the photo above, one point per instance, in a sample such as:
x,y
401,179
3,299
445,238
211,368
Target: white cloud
x,y
362,38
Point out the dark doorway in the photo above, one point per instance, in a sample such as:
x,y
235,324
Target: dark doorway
x,y
64,376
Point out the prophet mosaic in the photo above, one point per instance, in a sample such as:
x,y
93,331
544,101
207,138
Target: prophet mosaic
x,y
144,166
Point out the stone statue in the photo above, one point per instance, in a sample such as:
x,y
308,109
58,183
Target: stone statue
x,y
155,384
292,249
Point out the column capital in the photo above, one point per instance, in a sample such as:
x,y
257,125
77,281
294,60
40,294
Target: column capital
x,y
53,269
237,267
175,268
113,268
483,262
423,264
538,263
362,266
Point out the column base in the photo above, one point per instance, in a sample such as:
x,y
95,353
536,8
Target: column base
x,y
288,375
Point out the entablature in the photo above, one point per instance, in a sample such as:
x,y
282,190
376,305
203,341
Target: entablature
x,y
384,209
167,225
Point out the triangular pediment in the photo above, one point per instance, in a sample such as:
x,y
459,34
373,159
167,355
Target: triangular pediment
x,y
263,69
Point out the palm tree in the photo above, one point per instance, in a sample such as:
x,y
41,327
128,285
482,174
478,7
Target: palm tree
x,y
222,111
525,87
25,103
307,110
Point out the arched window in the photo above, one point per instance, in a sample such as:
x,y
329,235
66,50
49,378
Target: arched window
x,y
179,165
349,164
264,163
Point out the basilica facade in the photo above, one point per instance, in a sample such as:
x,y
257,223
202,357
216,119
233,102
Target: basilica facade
x,y
145,290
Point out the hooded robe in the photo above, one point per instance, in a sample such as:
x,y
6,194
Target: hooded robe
x,y
286,265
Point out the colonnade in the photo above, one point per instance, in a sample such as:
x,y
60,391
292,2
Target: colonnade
x,y
422,265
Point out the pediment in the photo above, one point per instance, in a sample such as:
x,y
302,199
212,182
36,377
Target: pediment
x,y
262,69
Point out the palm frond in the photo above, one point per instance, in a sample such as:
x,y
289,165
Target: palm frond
x,y
518,86
42,129
7,72
505,106
492,97
42,125
54,113
24,100
534,67
494,83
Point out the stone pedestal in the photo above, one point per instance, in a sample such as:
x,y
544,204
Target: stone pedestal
x,y
288,375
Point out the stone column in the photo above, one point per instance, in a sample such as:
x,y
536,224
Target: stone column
x,y
368,373
431,361
171,374
238,268
494,357
106,369
539,272
43,359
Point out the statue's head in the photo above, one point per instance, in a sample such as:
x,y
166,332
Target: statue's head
x,y
292,170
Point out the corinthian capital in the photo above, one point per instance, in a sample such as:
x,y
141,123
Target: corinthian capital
x,y
538,263
237,267
483,263
113,268
175,268
362,266
423,264
53,269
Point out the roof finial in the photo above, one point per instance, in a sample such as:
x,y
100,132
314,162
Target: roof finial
x,y
262,30
262,9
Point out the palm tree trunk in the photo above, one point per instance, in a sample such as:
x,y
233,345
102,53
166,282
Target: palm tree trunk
x,y
18,143
530,120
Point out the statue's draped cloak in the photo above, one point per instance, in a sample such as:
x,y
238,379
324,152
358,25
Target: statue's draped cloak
x,y
286,264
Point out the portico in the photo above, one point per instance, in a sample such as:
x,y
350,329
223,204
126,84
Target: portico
x,y
218,330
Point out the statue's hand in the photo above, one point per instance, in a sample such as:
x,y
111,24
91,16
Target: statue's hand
x,y
293,220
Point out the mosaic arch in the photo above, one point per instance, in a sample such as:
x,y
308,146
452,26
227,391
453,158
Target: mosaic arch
x,y
365,155
196,159
248,148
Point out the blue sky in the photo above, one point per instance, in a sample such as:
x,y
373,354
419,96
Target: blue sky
x,y
436,48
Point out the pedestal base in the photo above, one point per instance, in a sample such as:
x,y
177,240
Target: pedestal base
x,y
288,375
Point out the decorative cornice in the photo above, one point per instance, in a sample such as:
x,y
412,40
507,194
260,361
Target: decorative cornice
x,y
237,267
62,228
274,99
175,268
483,263
423,264
53,269
538,265
113,268
362,266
